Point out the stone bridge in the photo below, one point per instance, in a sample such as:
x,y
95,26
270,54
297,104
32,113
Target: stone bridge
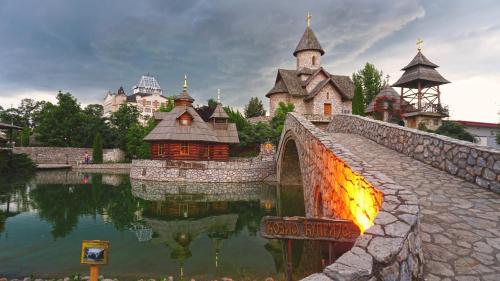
x,y
428,205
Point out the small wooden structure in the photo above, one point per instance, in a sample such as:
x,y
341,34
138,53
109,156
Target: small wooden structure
x,y
182,134
420,90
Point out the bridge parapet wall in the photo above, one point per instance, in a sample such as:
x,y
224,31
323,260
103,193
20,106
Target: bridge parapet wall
x,y
466,160
390,248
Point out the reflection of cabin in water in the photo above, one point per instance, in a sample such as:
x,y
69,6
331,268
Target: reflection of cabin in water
x,y
182,134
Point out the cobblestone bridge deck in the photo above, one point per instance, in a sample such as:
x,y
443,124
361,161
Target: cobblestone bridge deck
x,y
460,221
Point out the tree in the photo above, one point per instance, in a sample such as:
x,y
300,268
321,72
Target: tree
x,y
358,101
212,103
169,106
371,81
136,146
254,108
121,120
60,125
25,137
97,149
278,120
455,130
498,138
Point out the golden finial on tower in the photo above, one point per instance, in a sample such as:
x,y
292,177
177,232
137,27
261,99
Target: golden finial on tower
x,y
185,86
308,19
420,42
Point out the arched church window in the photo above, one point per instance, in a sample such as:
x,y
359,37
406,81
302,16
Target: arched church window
x,y
314,60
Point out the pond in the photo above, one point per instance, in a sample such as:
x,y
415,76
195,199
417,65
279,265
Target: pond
x,y
201,231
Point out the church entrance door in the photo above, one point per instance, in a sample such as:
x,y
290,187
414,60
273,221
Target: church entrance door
x,y
327,109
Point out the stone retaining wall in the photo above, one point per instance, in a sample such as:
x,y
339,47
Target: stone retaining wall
x,y
235,170
466,160
388,250
104,166
67,155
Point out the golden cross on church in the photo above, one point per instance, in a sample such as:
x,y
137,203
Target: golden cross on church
x,y
308,19
420,42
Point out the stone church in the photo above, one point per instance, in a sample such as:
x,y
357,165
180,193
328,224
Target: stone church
x,y
311,88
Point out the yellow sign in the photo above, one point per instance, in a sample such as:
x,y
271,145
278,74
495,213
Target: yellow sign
x,y
94,252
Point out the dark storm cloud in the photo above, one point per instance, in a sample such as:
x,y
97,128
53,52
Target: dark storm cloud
x,y
89,47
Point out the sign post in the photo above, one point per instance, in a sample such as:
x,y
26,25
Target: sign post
x,y
335,230
302,228
94,253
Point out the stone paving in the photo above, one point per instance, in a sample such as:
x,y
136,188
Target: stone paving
x,y
460,221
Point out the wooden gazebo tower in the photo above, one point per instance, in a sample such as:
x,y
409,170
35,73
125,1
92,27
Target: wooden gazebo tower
x,y
420,93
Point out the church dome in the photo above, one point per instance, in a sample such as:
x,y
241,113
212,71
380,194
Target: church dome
x,y
308,42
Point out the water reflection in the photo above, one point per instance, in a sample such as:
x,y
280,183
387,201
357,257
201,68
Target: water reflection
x,y
201,231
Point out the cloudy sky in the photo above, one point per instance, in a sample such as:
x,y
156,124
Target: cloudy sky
x,y
90,47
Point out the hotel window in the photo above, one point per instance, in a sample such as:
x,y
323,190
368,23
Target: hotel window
x,y
184,149
160,149
148,103
147,110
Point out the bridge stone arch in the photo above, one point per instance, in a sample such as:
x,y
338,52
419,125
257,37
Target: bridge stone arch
x,y
337,184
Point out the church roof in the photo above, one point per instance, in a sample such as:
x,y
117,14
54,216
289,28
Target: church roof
x,y
388,92
184,95
308,42
219,112
288,81
422,70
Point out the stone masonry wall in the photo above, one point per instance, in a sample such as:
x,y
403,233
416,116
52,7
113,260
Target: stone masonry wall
x,y
390,247
466,160
63,155
235,170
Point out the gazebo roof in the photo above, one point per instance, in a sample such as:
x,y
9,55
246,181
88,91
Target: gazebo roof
x,y
420,71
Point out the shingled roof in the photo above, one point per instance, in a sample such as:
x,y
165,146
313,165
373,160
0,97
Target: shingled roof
x,y
422,70
308,42
219,112
169,127
288,81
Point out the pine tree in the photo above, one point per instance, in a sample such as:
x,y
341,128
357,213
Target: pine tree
x,y
371,81
97,149
254,108
358,104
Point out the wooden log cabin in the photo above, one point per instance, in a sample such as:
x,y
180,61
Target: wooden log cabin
x,y
182,134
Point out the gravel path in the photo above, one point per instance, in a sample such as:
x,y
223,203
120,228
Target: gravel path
x,y
460,221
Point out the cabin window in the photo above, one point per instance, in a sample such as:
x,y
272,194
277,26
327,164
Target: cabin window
x,y
185,122
314,60
184,149
160,149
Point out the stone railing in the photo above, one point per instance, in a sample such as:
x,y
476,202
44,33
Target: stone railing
x,y
66,155
390,249
239,170
466,160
